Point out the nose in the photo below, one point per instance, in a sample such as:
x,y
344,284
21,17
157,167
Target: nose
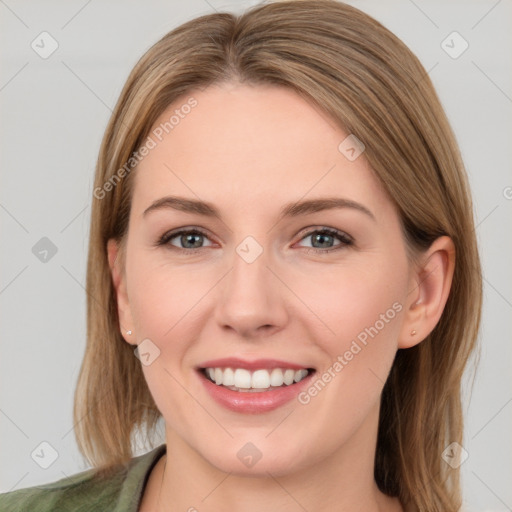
x,y
251,301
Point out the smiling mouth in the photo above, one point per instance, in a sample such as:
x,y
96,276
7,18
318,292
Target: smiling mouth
x,y
243,380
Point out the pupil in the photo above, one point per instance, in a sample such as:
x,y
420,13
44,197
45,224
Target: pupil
x,y
190,238
321,237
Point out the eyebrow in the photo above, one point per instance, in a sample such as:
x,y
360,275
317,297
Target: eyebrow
x,y
290,210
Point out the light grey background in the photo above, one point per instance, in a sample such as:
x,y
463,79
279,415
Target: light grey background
x,y
53,114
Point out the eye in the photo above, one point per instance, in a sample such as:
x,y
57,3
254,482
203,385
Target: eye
x,y
325,237
190,239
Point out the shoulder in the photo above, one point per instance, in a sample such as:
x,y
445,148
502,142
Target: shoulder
x,y
69,493
85,491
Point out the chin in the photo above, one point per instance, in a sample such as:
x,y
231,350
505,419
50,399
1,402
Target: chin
x,y
247,465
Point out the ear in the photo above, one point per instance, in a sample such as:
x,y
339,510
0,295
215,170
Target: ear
x,y
429,290
119,282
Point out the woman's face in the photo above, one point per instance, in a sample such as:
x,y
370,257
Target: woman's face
x,y
261,287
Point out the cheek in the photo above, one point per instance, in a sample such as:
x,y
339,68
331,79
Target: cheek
x,y
166,301
358,304
365,314
163,301
162,297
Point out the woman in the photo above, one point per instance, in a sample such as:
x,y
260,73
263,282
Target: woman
x,y
283,266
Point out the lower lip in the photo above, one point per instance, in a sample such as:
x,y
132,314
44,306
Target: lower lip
x,y
253,402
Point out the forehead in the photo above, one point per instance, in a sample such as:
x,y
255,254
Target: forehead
x,y
242,143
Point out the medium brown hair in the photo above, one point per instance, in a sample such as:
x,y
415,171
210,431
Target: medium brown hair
x,y
370,83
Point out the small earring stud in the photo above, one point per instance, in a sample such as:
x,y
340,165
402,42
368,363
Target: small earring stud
x,y
128,332
413,333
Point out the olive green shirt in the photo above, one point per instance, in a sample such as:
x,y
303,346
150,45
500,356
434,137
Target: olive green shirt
x,y
122,492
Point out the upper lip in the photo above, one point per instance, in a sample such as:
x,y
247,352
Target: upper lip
x,y
256,364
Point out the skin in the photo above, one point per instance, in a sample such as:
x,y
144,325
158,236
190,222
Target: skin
x,y
249,151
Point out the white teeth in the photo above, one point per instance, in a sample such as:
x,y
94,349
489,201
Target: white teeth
x,y
299,375
276,377
260,379
288,377
228,378
240,379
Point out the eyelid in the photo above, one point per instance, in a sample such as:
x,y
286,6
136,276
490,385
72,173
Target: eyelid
x,y
169,235
345,240
324,229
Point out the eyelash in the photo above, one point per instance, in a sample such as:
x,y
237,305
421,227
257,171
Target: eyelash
x,y
346,240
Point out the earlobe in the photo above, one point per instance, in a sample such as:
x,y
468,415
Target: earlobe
x,y
430,288
119,283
